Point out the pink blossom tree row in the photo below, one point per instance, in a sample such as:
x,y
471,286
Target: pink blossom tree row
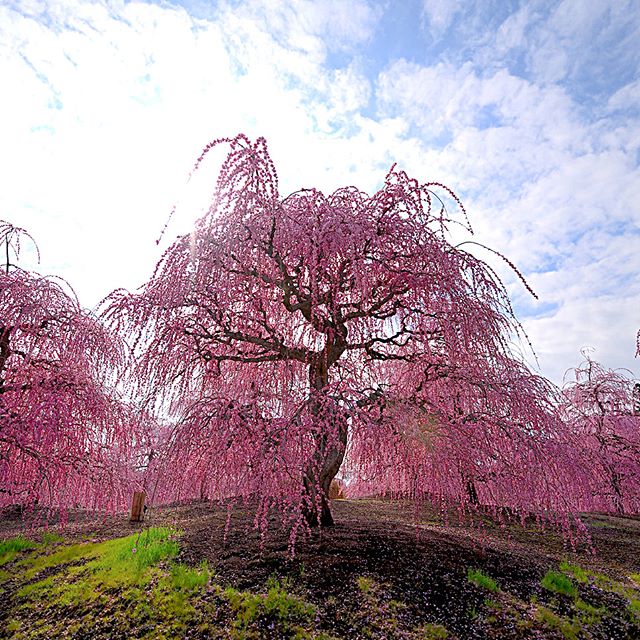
x,y
597,407
66,439
291,339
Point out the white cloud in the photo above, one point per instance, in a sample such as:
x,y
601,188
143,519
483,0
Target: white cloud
x,y
628,97
440,14
498,128
553,190
313,27
104,120
109,104
128,119
587,45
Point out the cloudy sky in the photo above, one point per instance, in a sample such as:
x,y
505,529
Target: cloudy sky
x,y
530,111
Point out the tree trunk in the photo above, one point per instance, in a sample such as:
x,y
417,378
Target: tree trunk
x,y
328,456
617,493
318,477
472,493
5,352
317,511
469,486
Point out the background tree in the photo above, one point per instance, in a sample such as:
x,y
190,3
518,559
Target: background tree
x,y
65,438
285,333
598,407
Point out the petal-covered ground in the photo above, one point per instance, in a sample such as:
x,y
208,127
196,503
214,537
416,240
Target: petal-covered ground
x,y
384,571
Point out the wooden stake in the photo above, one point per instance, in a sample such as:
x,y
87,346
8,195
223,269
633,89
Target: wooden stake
x,y
137,507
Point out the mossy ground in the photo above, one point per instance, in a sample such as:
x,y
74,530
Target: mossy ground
x,y
133,586
367,578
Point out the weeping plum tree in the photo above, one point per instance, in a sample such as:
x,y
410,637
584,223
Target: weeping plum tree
x,y
286,336
64,438
598,407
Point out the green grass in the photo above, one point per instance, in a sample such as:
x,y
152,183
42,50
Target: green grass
x,y
88,574
175,595
588,614
365,585
482,580
569,617
117,562
601,524
379,615
10,548
19,543
432,632
592,615
277,609
135,583
579,574
633,609
184,578
570,629
559,583
49,537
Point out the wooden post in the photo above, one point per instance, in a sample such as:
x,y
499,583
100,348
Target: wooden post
x,y
336,490
137,507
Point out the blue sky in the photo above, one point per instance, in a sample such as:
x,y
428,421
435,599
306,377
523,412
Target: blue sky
x,y
530,111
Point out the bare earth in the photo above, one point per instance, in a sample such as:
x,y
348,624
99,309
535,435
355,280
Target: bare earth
x,y
386,569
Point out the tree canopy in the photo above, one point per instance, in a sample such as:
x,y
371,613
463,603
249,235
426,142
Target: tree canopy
x,y
65,436
598,408
288,338
291,339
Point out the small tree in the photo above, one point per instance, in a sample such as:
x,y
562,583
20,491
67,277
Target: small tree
x,y
65,438
284,334
598,407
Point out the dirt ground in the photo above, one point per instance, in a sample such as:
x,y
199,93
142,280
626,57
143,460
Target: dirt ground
x,y
386,568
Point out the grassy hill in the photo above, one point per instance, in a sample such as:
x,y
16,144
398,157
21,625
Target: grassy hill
x,y
384,571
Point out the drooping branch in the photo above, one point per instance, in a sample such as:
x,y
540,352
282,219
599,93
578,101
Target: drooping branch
x,y
65,435
292,337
